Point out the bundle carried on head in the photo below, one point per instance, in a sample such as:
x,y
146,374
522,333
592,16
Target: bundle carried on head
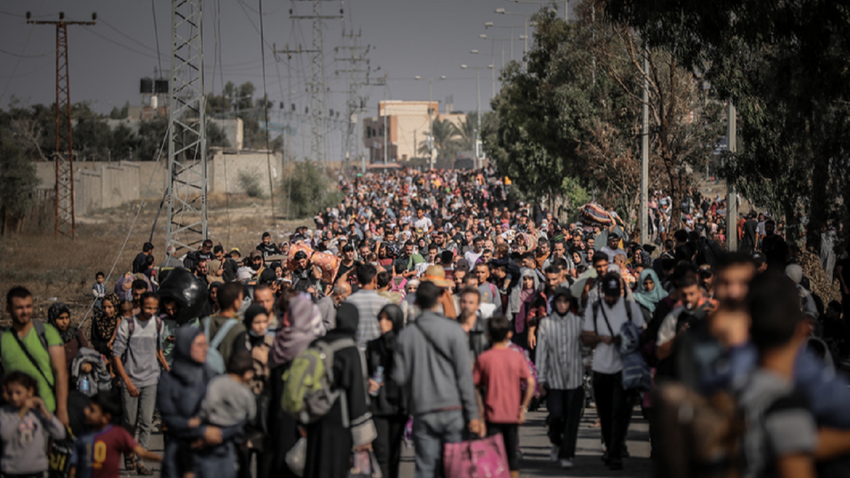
x,y
592,213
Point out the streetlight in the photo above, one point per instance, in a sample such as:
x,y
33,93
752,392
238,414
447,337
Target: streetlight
x,y
431,147
492,71
501,11
491,25
478,94
566,5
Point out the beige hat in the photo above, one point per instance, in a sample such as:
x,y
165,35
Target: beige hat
x,y
437,275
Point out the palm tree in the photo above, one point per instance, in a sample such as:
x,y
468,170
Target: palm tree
x,y
445,141
466,132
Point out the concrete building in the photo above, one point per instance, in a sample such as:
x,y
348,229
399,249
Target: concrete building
x,y
406,126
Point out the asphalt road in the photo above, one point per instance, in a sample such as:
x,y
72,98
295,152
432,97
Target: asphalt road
x,y
535,450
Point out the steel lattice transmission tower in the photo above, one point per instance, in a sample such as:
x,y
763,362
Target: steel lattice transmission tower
x,y
187,153
317,79
63,157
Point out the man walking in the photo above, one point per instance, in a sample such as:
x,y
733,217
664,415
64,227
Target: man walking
x,y
602,322
432,361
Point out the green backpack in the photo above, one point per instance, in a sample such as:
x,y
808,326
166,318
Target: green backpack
x,y
308,390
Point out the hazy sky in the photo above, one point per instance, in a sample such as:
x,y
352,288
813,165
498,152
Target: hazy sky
x,y
429,38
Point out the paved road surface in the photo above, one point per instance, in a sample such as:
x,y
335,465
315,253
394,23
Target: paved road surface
x,y
535,448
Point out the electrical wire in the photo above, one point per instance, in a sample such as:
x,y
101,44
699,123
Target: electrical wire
x,y
25,56
266,114
135,220
156,36
18,61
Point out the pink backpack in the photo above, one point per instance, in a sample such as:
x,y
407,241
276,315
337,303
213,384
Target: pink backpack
x,y
476,458
397,285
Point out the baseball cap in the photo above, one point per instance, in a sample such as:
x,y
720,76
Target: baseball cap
x,y
759,259
706,270
611,284
256,253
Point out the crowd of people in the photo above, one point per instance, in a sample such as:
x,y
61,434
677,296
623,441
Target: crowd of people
x,y
431,308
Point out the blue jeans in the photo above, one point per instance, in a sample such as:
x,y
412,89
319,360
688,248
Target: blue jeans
x,y
430,432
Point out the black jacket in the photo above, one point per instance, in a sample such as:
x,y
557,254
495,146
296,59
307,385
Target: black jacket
x,y
391,399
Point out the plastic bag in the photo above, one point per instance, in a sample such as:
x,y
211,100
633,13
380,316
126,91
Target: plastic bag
x,y
296,458
190,293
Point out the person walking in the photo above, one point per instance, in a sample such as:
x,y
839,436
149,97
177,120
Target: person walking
x,y
561,374
432,362
389,402
602,322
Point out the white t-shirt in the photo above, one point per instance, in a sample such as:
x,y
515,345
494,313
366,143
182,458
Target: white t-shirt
x,y
606,357
423,225
472,257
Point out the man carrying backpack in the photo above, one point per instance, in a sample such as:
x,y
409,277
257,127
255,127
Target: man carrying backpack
x,y
221,330
432,362
602,322
39,353
138,356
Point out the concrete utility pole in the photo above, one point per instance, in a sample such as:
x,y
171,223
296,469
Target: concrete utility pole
x,y
502,11
731,195
187,225
63,158
644,155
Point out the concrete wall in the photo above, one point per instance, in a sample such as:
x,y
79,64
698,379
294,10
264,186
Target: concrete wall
x,y
101,185
224,168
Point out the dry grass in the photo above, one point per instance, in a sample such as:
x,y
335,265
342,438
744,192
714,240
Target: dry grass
x,y
61,269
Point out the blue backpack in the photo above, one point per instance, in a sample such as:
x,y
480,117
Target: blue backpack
x,y
215,361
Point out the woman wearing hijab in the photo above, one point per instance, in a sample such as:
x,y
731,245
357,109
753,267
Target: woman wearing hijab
x,y
59,316
298,333
389,402
649,293
214,271
331,440
527,315
256,341
104,323
178,399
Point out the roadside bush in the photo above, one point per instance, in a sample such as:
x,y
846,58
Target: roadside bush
x,y
250,184
306,190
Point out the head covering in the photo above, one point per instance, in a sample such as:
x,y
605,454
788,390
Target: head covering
x,y
347,319
396,316
525,298
184,366
53,313
649,299
437,275
250,313
213,266
304,317
794,271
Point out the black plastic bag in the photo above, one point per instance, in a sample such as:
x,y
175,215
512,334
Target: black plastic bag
x,y
190,294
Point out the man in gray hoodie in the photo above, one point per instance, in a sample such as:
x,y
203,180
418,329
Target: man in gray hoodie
x,y
432,361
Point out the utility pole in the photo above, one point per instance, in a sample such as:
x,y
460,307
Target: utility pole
x,y
356,103
731,195
644,155
187,225
63,157
317,79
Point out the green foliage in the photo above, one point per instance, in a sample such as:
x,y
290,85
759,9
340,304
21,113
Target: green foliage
x,y
445,140
239,102
121,113
306,190
575,113
18,183
784,65
250,184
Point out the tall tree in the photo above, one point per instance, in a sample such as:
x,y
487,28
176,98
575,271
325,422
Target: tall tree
x,y
445,139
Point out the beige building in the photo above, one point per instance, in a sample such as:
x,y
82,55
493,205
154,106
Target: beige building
x,y
406,126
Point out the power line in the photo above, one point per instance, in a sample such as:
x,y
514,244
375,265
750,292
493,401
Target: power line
x,y
25,56
18,61
266,113
156,36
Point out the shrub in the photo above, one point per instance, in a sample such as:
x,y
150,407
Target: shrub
x,y
250,184
307,190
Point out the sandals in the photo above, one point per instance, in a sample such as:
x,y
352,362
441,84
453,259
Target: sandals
x,y
130,462
142,470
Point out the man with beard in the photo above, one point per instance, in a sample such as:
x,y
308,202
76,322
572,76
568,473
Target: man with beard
x,y
472,321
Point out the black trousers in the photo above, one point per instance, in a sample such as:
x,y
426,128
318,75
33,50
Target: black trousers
x,y
613,407
565,407
387,446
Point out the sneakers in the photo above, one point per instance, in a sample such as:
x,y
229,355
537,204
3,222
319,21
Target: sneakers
x,y
553,455
566,464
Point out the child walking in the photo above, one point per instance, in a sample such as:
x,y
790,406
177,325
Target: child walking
x,y
98,454
23,422
499,374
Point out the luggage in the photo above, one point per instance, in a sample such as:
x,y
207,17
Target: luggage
x,y
190,294
329,263
476,458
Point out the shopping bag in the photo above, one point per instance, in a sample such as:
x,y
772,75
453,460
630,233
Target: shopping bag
x,y
484,458
364,464
296,458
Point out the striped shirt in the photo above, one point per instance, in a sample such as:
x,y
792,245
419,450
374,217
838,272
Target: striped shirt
x,y
368,304
559,361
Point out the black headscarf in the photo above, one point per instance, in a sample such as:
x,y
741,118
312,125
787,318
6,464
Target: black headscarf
x,y
53,313
347,319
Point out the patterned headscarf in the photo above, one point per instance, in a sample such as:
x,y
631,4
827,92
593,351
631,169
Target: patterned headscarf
x,y
103,326
53,313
